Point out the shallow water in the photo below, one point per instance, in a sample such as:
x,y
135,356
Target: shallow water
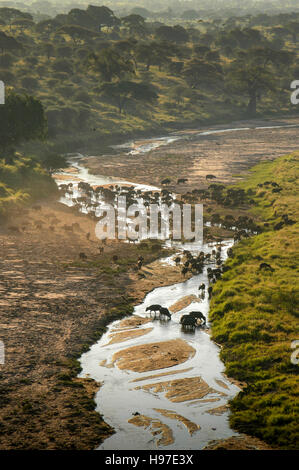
x,y
117,398
82,174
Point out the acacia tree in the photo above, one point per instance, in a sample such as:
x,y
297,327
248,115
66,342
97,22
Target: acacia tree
x,y
21,119
110,65
135,24
175,33
48,49
252,81
124,90
198,72
126,48
155,53
81,18
255,73
103,16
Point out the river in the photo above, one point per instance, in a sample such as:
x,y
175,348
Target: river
x,y
145,411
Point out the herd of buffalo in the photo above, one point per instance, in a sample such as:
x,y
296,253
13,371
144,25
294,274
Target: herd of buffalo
x,y
194,264
188,321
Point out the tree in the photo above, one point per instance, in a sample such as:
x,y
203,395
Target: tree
x,y
76,33
7,43
22,23
8,15
110,65
48,26
255,72
240,38
172,33
123,91
81,18
155,53
126,48
54,161
198,72
103,16
21,119
264,56
252,81
178,93
48,49
135,24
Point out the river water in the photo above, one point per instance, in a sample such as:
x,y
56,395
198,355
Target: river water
x,y
121,395
118,398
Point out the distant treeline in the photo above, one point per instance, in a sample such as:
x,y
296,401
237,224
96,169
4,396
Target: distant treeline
x,y
99,74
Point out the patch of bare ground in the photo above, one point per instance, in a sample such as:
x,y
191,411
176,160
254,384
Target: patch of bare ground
x,y
152,276
131,322
125,335
163,374
219,410
179,390
192,427
183,303
153,356
161,432
53,305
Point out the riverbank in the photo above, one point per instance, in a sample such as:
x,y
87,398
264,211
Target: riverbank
x,y
254,310
55,306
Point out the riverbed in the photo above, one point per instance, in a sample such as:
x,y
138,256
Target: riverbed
x,y
183,406
161,387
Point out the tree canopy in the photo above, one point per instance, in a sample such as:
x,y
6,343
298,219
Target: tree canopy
x,y
21,118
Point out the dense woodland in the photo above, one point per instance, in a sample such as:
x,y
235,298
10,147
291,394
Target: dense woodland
x,y
96,72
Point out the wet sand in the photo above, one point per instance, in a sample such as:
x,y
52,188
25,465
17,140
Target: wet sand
x,y
154,356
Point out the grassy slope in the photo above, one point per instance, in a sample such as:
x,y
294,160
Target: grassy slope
x,y
23,181
254,313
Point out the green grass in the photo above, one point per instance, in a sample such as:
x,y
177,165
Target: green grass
x,y
255,313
